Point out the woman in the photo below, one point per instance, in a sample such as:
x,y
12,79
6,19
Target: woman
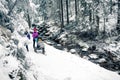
x,y
35,37
27,39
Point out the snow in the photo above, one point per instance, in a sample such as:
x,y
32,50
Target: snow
x,y
2,7
61,65
33,6
93,56
7,64
10,63
3,51
55,65
3,75
72,50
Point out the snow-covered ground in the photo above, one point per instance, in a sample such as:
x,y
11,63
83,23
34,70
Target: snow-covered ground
x,y
61,65
54,65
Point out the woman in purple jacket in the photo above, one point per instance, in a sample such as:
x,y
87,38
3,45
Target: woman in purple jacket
x,y
35,37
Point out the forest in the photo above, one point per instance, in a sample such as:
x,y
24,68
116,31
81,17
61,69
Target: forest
x,y
89,29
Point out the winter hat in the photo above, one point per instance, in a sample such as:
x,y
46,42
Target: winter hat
x,y
35,29
40,40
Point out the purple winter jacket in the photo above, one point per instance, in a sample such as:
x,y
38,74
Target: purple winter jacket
x,y
35,35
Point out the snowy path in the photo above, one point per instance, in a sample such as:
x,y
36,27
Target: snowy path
x,y
61,65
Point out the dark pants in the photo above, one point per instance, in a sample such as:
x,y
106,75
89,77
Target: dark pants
x,y
27,48
43,50
33,43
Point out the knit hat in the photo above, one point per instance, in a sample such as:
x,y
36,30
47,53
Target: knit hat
x,y
40,40
35,29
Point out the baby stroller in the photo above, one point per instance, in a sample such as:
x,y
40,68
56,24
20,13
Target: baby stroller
x,y
40,48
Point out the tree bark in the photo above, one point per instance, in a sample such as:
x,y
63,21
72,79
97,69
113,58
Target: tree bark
x,y
104,26
76,13
29,21
67,11
118,18
90,15
10,11
59,8
62,19
97,22
111,7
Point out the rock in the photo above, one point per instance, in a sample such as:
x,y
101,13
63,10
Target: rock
x,y
73,51
102,60
11,76
92,49
85,49
93,56
10,27
16,41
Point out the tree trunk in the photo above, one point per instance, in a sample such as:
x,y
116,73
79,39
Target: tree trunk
x,y
104,27
62,19
118,18
93,21
59,8
29,21
76,11
97,22
10,11
111,7
67,11
90,16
